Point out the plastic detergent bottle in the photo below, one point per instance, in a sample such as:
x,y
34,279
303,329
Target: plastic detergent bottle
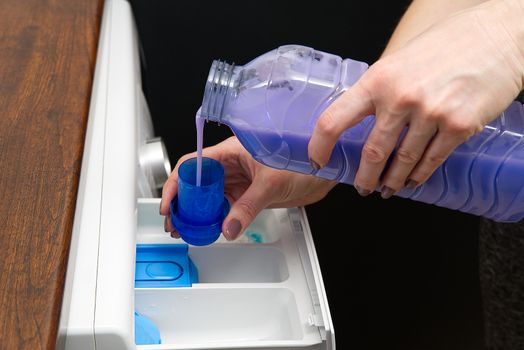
x,y
272,105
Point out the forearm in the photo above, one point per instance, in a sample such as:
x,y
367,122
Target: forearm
x,y
420,15
503,19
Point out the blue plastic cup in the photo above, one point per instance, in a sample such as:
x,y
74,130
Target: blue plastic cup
x,y
197,212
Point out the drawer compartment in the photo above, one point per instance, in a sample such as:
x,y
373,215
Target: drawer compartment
x,y
239,264
262,293
221,315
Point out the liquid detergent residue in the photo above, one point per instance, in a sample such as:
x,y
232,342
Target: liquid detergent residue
x,y
254,237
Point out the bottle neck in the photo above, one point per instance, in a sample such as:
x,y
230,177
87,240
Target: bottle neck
x,y
221,83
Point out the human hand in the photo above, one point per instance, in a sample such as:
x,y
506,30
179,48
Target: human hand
x,y
249,186
445,84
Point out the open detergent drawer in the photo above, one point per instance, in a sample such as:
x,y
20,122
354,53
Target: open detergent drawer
x,y
263,291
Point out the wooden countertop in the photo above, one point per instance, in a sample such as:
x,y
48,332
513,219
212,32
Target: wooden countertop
x,y
47,59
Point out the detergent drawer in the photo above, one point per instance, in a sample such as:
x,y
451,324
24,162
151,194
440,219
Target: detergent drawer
x,y
263,291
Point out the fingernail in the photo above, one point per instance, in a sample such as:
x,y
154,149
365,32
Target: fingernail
x,y
314,164
386,192
165,224
160,208
410,184
362,191
233,228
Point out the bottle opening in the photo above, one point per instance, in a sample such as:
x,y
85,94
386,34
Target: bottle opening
x,y
218,85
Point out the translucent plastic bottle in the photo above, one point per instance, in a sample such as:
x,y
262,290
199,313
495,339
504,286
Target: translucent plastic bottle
x,y
273,102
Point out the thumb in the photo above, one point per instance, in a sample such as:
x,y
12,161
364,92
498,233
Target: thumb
x,y
245,209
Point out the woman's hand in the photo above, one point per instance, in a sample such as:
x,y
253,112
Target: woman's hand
x,y
249,186
445,84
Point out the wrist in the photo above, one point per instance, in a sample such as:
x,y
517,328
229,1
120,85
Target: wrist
x,y
515,14
421,15
503,21
520,3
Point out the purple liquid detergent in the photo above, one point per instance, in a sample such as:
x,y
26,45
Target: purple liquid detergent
x,y
272,105
199,121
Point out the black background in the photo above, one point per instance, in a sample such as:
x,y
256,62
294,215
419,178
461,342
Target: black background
x,y
398,274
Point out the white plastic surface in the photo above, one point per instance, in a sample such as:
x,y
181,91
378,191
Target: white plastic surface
x,y
234,316
114,312
306,247
245,288
98,299
267,264
78,307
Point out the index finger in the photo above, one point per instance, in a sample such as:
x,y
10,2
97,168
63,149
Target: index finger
x,y
347,110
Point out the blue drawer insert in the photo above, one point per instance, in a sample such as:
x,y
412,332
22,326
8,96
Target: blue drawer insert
x,y
164,266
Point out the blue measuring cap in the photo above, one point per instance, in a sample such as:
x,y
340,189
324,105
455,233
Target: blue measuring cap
x,y
197,212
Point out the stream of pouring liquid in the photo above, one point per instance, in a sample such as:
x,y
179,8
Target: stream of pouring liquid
x,y
199,121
